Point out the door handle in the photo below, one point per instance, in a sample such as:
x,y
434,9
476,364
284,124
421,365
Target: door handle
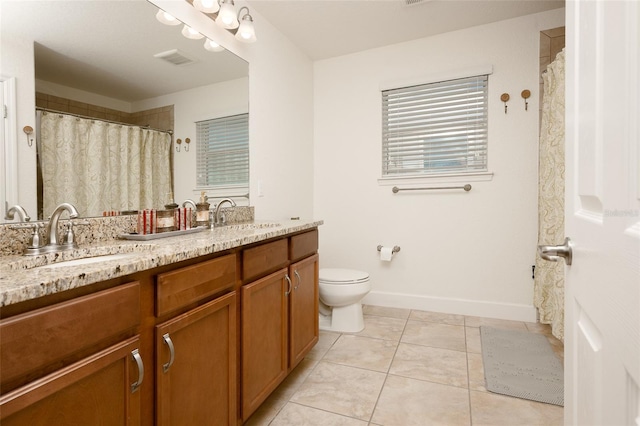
x,y
554,253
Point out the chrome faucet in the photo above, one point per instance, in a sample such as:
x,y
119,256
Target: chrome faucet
x,y
189,201
22,213
51,232
217,220
51,244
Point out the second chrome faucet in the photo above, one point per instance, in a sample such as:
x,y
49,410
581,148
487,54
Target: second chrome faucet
x,y
217,219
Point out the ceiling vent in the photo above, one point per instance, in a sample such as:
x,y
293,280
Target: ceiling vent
x,y
414,2
175,57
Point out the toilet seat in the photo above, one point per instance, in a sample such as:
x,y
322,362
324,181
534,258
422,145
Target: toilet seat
x,y
338,276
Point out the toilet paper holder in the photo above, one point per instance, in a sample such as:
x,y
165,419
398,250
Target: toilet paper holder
x,y
394,251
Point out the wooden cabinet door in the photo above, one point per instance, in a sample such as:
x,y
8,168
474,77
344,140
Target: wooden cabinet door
x,y
264,338
303,309
96,390
196,366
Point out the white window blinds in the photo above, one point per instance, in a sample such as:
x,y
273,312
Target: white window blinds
x,y
435,128
223,153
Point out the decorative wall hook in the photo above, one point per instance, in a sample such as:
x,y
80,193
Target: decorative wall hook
x,y
28,130
178,142
505,98
525,95
187,141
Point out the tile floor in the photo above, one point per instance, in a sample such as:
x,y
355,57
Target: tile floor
x,y
405,368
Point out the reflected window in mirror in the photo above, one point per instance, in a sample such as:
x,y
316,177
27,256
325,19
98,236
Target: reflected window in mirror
x,y
222,168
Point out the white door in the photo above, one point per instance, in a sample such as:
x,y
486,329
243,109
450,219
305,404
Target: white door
x,y
602,298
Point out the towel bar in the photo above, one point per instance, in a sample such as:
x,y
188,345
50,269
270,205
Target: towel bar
x,y
466,187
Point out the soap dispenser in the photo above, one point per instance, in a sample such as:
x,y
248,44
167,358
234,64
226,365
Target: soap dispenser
x,y
171,205
202,211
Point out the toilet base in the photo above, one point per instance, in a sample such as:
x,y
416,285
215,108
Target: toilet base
x,y
343,319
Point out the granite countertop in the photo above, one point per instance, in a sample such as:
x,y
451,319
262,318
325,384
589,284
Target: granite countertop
x,y
24,277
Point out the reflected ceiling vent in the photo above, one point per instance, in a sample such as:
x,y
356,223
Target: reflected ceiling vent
x,y
175,57
414,2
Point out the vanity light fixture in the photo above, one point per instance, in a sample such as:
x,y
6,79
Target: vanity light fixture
x,y
212,46
227,15
246,32
189,32
206,6
166,18
223,12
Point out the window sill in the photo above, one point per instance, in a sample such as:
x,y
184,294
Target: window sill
x,y
437,180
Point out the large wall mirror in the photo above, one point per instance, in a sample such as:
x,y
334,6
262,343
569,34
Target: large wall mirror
x,y
104,54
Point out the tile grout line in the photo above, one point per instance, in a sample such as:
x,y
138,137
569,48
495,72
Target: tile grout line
x,y
386,376
466,347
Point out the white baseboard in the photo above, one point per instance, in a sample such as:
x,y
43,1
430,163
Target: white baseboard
x,y
506,311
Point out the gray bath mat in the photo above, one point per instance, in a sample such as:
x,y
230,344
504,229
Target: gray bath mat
x,y
521,364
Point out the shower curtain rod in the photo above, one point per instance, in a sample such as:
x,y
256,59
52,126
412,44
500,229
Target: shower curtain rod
x,y
53,111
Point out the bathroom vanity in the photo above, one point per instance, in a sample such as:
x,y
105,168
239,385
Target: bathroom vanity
x,y
194,329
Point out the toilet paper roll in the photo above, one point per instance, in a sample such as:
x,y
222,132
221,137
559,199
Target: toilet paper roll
x,y
386,253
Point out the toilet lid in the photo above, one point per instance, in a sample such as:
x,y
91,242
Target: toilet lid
x,y
342,276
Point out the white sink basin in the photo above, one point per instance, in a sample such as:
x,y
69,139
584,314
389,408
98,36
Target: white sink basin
x,y
88,260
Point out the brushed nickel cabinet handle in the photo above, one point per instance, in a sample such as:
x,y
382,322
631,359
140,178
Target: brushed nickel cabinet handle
x,y
298,278
138,359
172,352
286,277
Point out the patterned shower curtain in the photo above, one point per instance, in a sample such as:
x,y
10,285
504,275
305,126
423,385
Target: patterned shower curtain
x,y
549,276
100,166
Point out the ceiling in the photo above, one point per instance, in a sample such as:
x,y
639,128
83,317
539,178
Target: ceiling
x,y
328,28
107,47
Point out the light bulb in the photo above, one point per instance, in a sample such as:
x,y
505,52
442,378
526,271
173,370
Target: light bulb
x,y
166,18
227,15
206,6
246,31
189,32
212,46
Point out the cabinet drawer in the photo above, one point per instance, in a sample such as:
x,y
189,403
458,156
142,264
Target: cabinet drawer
x,y
265,258
184,286
46,339
303,245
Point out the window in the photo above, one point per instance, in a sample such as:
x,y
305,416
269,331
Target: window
x,y
223,153
435,128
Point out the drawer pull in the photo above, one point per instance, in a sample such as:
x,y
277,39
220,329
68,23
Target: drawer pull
x,y
299,279
286,277
172,352
138,359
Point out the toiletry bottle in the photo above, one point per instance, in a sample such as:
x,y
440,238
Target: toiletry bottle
x,y
171,205
202,211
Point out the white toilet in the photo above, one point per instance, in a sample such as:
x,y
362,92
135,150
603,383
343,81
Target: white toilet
x,y
341,294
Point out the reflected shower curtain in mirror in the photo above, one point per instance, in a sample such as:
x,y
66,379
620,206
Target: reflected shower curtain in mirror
x,y
549,276
100,166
